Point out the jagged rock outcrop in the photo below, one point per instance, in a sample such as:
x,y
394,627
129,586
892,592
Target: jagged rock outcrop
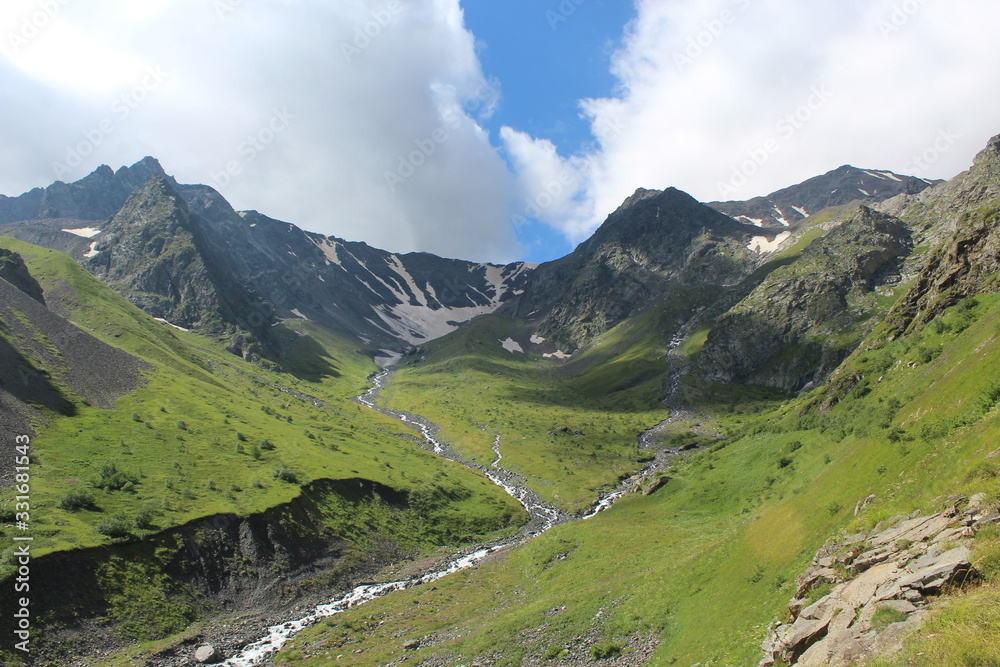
x,y
841,186
937,211
801,322
882,584
14,271
656,241
966,262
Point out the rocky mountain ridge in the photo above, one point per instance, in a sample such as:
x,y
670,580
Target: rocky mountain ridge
x,y
843,185
184,255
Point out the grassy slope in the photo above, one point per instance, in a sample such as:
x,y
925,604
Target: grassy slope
x,y
181,433
474,389
709,560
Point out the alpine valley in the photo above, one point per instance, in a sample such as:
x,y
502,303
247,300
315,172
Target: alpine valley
x,y
727,433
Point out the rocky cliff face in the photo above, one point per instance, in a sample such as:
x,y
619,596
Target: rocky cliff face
x,y
184,255
806,317
841,186
654,240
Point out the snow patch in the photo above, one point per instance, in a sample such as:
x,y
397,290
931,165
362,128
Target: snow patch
x,y
400,270
558,354
298,314
511,346
864,192
90,253
536,339
801,211
387,358
762,245
160,319
329,249
85,232
756,222
875,174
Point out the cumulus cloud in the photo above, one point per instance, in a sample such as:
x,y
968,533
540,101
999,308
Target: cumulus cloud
x,y
359,118
730,99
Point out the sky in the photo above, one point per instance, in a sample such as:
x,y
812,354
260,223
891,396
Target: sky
x,y
489,130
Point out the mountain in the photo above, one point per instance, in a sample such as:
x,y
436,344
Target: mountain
x,y
815,408
805,317
655,242
841,186
184,255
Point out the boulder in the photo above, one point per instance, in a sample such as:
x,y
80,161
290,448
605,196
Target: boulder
x,y
206,654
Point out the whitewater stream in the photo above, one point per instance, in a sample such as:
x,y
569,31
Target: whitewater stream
x,y
543,516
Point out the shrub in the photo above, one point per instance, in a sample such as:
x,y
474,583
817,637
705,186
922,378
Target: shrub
x,y
182,425
112,478
605,650
143,519
77,499
989,397
114,527
926,355
266,445
285,475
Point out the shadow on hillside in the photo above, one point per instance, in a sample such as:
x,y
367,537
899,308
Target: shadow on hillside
x,y
20,378
308,360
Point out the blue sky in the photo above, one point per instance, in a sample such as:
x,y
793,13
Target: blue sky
x,y
349,118
547,57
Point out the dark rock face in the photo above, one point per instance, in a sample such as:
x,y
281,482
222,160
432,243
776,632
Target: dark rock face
x,y
835,188
95,197
14,271
800,323
183,254
653,240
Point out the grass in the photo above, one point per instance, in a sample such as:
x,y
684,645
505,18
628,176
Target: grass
x,y
721,545
169,453
569,437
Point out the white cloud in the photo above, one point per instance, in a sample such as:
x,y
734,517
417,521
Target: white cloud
x,y
366,88
766,93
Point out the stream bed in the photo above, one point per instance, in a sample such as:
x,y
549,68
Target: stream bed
x,y
543,516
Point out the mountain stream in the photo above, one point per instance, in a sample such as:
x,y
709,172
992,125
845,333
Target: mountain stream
x,y
543,516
